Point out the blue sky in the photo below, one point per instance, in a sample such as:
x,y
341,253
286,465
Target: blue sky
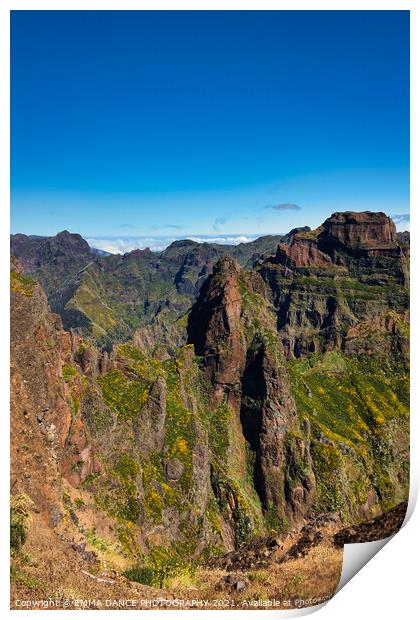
x,y
172,124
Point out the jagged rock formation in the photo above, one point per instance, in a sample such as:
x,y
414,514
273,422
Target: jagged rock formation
x,y
361,232
106,442
141,293
351,269
340,288
243,363
214,327
150,425
290,399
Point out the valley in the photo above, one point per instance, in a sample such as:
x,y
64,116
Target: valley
x,y
173,409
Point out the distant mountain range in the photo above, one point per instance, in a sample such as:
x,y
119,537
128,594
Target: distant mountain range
x,y
112,296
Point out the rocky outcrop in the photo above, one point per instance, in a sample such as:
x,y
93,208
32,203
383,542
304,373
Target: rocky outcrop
x,y
301,253
359,231
246,370
85,426
62,250
88,288
379,528
150,426
289,402
92,362
268,413
51,447
328,281
351,233
214,327
403,238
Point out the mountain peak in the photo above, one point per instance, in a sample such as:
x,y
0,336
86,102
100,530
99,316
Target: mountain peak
x,y
356,229
137,253
352,232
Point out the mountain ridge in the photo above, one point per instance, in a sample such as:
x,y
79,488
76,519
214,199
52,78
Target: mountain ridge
x,y
270,396
163,285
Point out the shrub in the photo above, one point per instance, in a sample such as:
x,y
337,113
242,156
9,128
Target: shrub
x,y
69,372
22,284
161,567
19,517
18,534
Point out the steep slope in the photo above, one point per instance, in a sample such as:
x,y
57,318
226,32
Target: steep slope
x,y
341,302
289,401
232,327
115,450
112,297
327,283
336,300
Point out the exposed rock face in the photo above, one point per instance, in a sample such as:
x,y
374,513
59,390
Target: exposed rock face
x,y
268,412
92,362
359,231
150,429
42,403
301,253
214,327
174,470
355,234
290,401
61,250
295,231
329,279
160,338
248,373
156,289
136,253
63,407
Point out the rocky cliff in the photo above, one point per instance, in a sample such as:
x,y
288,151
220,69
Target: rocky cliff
x,y
232,328
328,281
297,348
141,293
289,400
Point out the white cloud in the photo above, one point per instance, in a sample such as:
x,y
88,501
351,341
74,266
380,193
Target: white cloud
x,y
121,245
402,221
401,218
230,240
127,244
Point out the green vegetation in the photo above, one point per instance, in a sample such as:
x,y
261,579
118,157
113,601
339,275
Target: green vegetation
x,y
161,567
18,576
69,372
172,462
88,300
124,501
19,519
125,395
220,424
24,285
355,405
126,392
96,541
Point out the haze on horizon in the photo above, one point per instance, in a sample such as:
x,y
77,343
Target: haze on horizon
x,y
175,124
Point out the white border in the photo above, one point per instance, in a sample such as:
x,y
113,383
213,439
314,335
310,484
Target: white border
x,y
8,5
